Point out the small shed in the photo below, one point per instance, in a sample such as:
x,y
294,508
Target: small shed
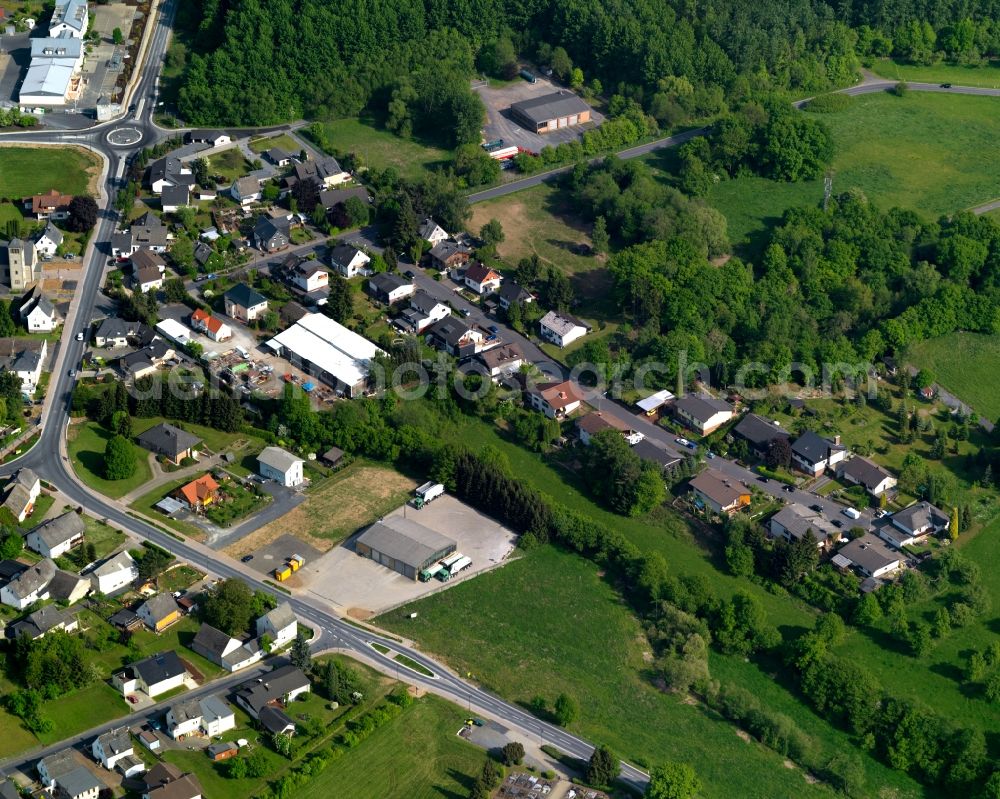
x,y
169,506
333,457
222,751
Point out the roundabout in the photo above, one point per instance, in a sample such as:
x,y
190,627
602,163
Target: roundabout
x,y
124,137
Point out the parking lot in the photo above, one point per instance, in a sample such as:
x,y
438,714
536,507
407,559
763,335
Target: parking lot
x,y
500,125
15,55
363,588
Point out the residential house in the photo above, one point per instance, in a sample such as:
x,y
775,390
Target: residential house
x,y
169,171
22,492
718,492
169,442
653,453
201,193
125,620
149,233
116,332
793,522
224,650
335,201
152,676
25,358
64,773
278,157
279,624
561,329
481,279
276,464
159,612
213,138
48,242
147,259
868,474
147,278
656,403
57,536
122,244
423,312
24,267
702,413
203,254
44,620
70,19
208,715
388,287
186,787
275,721
199,493
446,255
431,232
211,326
291,312
555,400
813,454
326,172
52,206
244,304
869,555
276,689
759,432
38,313
348,260
114,749
116,573
914,523
68,587
271,234
503,360
173,198
455,337
310,276
596,422
512,294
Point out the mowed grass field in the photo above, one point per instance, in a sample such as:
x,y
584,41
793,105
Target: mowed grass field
x,y
549,623
966,365
86,445
380,149
35,170
539,221
416,756
987,75
352,498
931,153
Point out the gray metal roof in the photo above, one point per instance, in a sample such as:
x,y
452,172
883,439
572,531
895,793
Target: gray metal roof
x,y
277,618
701,406
405,540
277,458
167,439
550,106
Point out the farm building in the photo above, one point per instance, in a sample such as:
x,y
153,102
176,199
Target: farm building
x,y
403,545
549,112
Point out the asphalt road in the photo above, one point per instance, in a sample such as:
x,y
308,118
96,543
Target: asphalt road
x,y
48,457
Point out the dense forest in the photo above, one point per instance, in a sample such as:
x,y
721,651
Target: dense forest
x,y
258,62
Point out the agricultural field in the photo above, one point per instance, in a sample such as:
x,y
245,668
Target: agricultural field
x,y
539,221
986,76
86,444
966,365
335,508
416,756
549,623
926,152
35,170
380,149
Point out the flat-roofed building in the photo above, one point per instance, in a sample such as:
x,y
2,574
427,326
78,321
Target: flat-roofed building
x,y
550,112
403,545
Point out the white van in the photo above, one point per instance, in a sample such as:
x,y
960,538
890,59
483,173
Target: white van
x,y
851,513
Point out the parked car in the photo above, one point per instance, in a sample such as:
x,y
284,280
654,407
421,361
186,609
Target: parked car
x,y
409,273
837,523
710,454
682,441
763,479
817,508
945,85
246,559
466,313
788,489
79,336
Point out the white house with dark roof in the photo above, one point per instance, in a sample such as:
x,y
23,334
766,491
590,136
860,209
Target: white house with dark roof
x,y
115,573
276,689
152,676
113,746
22,492
70,18
390,288
209,715
561,329
348,261
793,522
30,586
57,536
44,620
482,279
246,190
914,523
423,312
716,491
431,232
277,464
702,413
63,773
814,454
870,556
868,474
225,650
244,304
38,313
278,624
48,242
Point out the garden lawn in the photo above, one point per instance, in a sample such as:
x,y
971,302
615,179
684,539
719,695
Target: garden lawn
x,y
987,75
548,623
229,163
284,142
415,756
966,365
928,152
540,221
215,440
81,710
35,170
10,213
145,503
105,538
86,444
380,149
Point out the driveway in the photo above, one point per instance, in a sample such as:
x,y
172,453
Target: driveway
x,y
284,499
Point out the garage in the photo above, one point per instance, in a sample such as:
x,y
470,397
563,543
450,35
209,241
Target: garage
x,y
403,545
550,112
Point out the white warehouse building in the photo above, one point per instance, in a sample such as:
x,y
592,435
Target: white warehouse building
x,y
328,351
